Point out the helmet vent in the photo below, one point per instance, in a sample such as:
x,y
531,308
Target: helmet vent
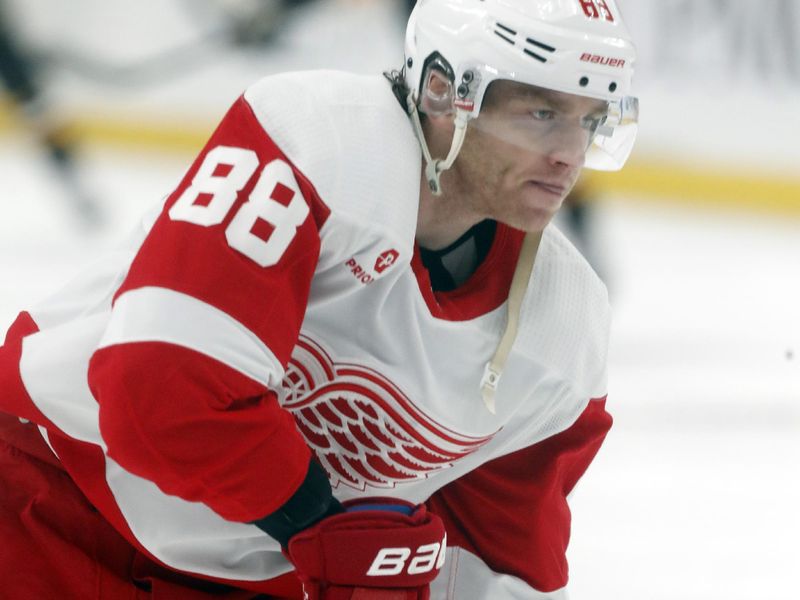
x,y
539,46
533,42
506,33
535,48
533,54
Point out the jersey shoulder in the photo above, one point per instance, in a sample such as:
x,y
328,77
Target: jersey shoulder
x,y
349,136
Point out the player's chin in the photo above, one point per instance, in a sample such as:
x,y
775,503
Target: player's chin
x,y
537,207
532,219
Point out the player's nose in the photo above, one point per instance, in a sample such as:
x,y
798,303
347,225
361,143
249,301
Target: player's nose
x,y
568,147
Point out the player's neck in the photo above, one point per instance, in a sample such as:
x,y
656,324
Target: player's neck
x,y
442,219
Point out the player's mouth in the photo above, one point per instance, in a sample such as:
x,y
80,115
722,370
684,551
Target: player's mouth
x,y
550,188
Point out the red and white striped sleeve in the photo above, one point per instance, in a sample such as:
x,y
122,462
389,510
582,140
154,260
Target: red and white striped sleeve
x,y
508,521
204,324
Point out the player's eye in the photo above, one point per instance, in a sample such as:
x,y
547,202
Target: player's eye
x,y
543,115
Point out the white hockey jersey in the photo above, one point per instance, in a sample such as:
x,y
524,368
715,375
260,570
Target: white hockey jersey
x,y
276,308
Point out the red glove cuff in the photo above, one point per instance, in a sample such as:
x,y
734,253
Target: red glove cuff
x,y
370,549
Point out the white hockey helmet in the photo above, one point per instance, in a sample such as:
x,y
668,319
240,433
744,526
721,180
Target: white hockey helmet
x,y
579,47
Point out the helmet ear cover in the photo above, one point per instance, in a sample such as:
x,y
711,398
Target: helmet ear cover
x,y
437,88
436,99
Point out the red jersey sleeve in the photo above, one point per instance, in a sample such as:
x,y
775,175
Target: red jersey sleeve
x,y
512,512
204,324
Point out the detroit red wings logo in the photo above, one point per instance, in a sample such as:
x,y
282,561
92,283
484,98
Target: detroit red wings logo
x,y
362,428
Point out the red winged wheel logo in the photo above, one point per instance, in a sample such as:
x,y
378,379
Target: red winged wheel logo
x,y
362,428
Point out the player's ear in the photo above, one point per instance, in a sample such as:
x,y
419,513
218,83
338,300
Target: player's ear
x,y
437,95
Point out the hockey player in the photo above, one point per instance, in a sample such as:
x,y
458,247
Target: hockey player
x,y
348,352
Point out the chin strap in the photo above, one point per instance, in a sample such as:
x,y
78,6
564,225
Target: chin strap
x,y
519,284
435,167
527,256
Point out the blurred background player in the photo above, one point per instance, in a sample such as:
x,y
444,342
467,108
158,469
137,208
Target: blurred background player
x,y
259,22
577,218
20,77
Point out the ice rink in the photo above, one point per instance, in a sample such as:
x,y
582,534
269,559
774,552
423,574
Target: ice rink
x,y
695,494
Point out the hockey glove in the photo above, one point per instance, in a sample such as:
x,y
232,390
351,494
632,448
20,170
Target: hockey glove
x,y
381,549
